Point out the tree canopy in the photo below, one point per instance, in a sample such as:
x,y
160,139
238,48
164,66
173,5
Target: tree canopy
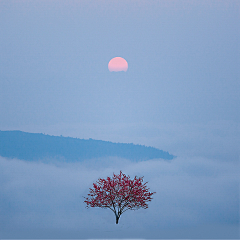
x,y
119,194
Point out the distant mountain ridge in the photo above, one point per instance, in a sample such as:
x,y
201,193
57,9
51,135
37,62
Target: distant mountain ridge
x,y
36,146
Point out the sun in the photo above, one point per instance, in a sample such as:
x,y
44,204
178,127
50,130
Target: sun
x,y
117,64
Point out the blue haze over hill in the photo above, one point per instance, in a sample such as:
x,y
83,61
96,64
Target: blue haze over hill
x,y
34,146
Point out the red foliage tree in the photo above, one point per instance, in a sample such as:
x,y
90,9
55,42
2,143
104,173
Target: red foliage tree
x,y
119,194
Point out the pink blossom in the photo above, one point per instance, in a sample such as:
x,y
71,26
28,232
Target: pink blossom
x,y
119,194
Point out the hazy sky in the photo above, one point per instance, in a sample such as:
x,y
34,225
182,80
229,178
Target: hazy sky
x,y
180,92
183,61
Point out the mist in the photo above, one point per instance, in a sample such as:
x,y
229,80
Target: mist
x,y
179,94
195,198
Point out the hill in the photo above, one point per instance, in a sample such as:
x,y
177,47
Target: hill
x,y
35,146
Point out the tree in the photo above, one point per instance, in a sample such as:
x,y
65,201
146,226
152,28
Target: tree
x,y
119,194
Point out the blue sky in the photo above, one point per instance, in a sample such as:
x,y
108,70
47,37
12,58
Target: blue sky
x,y
179,94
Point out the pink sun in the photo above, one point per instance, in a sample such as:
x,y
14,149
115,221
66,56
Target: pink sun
x,y
117,64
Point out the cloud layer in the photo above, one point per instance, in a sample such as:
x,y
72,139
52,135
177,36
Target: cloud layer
x,y
196,197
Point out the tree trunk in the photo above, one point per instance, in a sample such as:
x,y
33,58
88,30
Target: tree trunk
x,y
117,218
